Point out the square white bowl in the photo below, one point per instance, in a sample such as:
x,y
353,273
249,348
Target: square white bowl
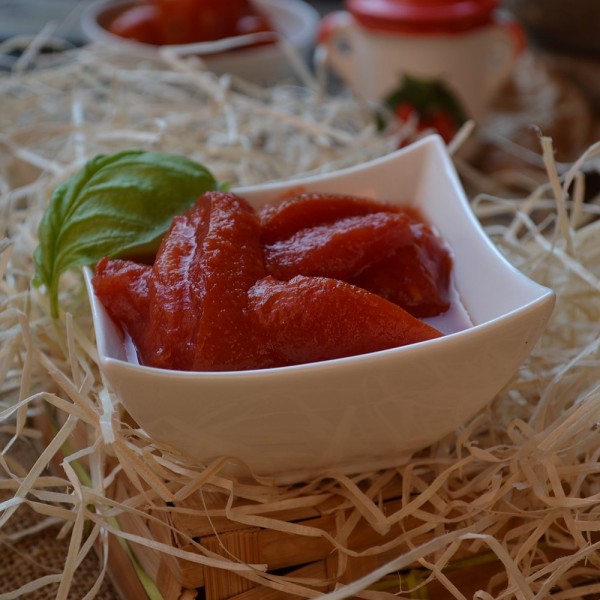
x,y
363,412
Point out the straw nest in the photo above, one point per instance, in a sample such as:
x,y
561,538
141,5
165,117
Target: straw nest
x,y
519,484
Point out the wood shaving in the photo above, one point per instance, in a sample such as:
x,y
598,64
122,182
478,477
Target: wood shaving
x,y
518,485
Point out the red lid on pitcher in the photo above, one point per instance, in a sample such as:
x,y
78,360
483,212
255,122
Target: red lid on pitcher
x,y
422,16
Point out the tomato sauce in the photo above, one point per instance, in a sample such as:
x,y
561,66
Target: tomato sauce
x,y
311,278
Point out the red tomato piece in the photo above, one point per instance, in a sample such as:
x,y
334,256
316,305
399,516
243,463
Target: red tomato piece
x,y
203,270
405,111
140,23
231,262
122,287
177,21
207,302
282,219
312,319
188,21
416,276
341,249
188,311
176,298
443,122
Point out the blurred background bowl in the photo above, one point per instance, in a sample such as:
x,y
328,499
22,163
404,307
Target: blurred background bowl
x,y
294,20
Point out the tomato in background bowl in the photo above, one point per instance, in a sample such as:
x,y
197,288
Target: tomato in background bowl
x,y
295,21
140,23
164,22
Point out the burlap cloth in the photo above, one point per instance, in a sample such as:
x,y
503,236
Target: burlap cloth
x,y
24,560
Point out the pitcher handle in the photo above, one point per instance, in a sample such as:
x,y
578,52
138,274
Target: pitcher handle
x,y
335,44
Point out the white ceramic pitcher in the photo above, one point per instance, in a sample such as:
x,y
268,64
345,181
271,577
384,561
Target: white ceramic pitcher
x,y
465,44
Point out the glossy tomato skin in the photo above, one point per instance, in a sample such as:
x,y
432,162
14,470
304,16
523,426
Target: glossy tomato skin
x,y
198,288
123,288
382,248
341,249
231,261
415,276
140,23
310,319
282,219
187,311
175,301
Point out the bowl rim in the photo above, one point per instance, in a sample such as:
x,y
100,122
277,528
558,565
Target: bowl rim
x,y
544,294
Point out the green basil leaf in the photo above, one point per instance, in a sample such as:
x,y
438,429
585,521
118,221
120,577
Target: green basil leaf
x,y
116,205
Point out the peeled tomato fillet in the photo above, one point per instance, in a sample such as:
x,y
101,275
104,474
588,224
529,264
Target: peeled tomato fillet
x,y
230,263
122,287
280,220
176,299
340,250
415,277
312,319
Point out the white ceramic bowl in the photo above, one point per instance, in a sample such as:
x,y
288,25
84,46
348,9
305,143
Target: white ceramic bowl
x,y
362,412
295,20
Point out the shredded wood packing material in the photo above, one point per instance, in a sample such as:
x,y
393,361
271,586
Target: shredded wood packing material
x,y
520,482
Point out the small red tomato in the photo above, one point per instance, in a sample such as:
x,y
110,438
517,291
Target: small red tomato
x,y
405,111
425,124
140,23
443,122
